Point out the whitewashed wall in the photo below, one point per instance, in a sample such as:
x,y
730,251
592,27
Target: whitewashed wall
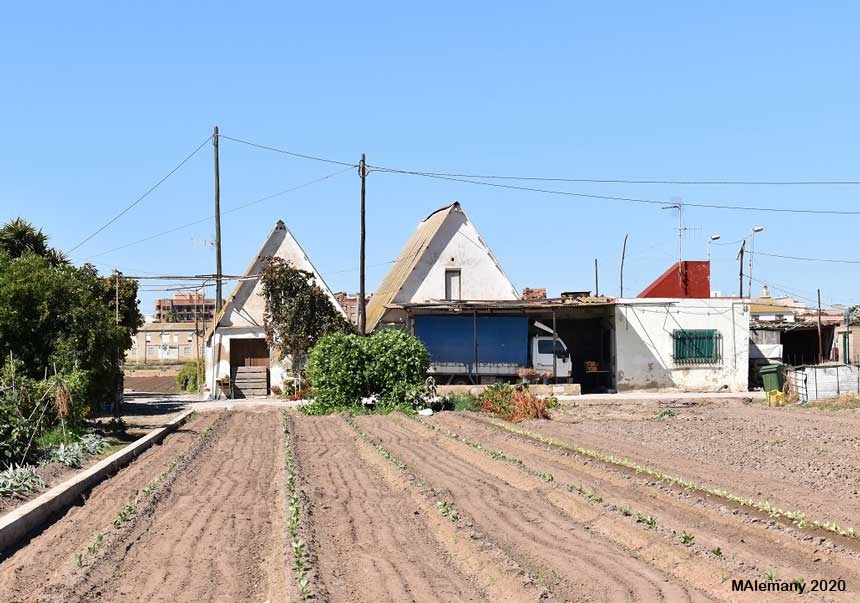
x,y
457,245
644,345
217,368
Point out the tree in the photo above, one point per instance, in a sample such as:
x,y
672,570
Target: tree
x,y
298,312
58,318
19,237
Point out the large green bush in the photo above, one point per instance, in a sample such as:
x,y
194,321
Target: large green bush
x,y
336,368
343,368
396,363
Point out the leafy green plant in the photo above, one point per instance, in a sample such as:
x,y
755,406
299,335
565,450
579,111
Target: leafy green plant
x,y
448,510
666,413
71,455
19,479
770,575
93,444
547,477
717,552
461,402
649,520
686,538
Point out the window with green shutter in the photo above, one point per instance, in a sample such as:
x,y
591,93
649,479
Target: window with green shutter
x,y
697,346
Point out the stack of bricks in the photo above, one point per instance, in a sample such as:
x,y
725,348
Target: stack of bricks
x,y
537,293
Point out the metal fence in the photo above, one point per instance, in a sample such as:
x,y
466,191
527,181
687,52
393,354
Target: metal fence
x,y
823,381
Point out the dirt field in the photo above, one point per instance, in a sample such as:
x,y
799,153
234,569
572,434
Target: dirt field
x,y
457,507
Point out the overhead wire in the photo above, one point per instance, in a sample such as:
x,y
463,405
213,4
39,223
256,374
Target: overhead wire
x,y
143,196
227,211
287,152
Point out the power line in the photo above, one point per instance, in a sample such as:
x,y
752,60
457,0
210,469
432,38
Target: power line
x,y
627,199
804,259
144,195
231,210
286,152
628,180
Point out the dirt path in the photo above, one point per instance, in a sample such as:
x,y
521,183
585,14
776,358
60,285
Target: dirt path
x,y
804,460
373,543
219,533
750,547
566,556
49,557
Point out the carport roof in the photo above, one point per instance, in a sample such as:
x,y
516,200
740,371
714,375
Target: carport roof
x,y
529,306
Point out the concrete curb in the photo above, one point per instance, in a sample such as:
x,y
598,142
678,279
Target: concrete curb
x,y
18,523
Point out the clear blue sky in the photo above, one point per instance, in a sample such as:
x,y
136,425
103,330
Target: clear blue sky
x,y
99,100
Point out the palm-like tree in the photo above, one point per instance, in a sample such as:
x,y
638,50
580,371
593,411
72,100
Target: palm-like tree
x,y
19,237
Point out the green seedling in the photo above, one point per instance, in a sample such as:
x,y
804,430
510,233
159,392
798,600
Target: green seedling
x,y
666,413
686,538
649,520
79,559
798,582
717,552
770,576
626,512
547,477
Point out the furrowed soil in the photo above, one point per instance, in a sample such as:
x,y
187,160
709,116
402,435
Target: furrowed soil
x,y
48,558
805,460
373,543
453,508
218,534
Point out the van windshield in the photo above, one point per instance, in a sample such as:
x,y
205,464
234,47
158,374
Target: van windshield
x,y
545,347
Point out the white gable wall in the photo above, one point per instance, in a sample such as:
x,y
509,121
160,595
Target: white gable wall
x,y
244,314
644,344
457,245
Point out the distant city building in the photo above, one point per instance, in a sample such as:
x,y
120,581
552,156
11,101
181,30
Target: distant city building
x,y
163,342
183,307
349,303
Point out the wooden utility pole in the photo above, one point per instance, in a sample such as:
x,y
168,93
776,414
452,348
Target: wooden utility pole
x,y
217,224
362,310
623,254
596,283
741,271
820,344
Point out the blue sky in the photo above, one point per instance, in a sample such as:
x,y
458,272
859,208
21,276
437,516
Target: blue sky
x,y
100,100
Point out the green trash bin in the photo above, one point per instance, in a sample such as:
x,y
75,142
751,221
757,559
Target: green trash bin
x,y
772,377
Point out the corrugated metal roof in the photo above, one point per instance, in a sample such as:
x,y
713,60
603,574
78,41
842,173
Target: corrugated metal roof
x,y
405,264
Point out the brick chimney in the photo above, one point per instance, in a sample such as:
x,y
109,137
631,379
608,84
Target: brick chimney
x,y
536,293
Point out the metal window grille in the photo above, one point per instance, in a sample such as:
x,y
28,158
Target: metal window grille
x,y
698,346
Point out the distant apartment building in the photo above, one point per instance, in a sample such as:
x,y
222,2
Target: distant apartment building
x,y
165,342
349,303
183,307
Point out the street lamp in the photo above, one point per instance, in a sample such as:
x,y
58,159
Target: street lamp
x,y
711,240
753,231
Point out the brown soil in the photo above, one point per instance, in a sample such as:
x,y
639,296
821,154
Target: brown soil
x,y
374,545
218,533
750,547
565,555
522,521
798,459
165,384
48,558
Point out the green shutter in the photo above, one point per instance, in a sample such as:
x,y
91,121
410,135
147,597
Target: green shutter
x,y
697,346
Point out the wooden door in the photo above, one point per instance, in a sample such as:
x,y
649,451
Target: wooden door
x,y
249,367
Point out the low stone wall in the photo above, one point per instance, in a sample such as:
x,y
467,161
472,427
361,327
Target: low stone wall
x,y
567,389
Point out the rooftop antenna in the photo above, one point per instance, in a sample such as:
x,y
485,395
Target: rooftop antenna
x,y
678,205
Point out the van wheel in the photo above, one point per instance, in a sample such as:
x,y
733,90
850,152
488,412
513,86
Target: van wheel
x,y
460,381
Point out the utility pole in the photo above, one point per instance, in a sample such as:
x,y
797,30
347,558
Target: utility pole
x,y
596,285
217,224
741,271
362,310
623,254
820,344
116,300
117,395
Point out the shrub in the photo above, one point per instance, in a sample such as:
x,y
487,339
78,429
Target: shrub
x,y
336,368
15,431
464,402
93,444
395,366
344,368
186,380
513,404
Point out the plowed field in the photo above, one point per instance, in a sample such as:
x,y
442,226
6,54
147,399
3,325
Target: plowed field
x,y
599,503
